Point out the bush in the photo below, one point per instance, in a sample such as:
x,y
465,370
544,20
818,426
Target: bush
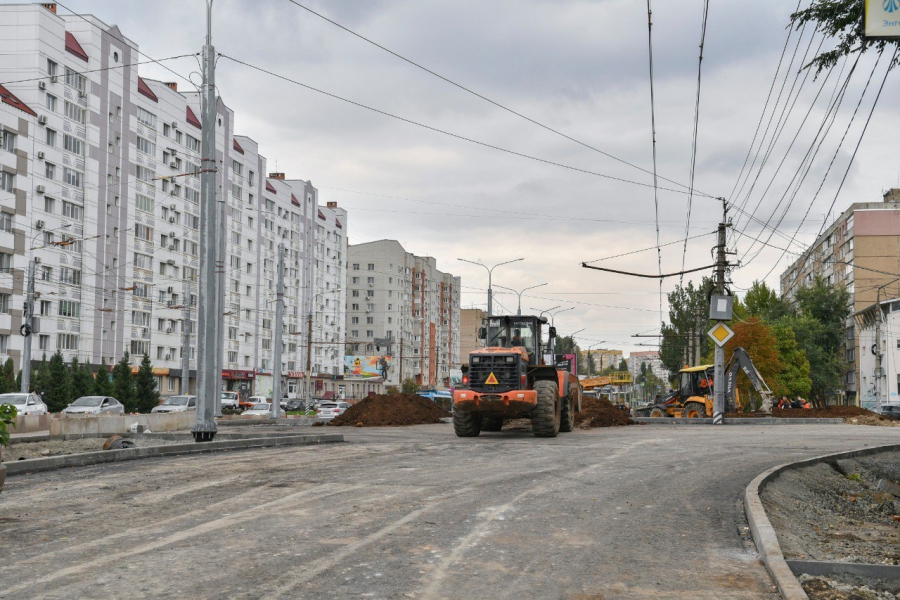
x,y
393,390
7,415
409,386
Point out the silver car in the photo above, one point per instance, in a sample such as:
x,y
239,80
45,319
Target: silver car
x,y
329,410
176,404
95,405
25,404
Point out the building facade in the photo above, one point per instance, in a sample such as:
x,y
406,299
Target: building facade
x,y
403,309
101,185
652,360
470,320
878,328
860,251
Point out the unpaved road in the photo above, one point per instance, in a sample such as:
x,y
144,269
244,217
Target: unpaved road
x,y
636,512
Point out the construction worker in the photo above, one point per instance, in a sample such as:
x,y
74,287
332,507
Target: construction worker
x,y
806,404
783,403
517,339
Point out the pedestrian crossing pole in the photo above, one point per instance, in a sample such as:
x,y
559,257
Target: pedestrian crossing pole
x,y
720,310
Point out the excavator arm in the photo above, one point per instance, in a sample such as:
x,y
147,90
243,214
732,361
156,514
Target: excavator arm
x,y
740,361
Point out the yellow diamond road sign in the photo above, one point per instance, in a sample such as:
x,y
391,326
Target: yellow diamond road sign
x,y
720,333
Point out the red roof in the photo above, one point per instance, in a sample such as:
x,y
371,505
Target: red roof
x,y
237,147
144,89
73,47
294,200
192,118
9,98
270,187
321,216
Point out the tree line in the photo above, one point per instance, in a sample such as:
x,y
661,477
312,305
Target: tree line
x,y
61,383
798,347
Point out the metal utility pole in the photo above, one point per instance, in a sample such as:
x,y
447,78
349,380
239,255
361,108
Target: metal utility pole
x,y
279,325
186,341
210,308
27,328
309,359
220,294
490,270
719,376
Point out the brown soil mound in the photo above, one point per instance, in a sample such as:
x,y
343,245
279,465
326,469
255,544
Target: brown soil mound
x,y
598,412
391,410
829,412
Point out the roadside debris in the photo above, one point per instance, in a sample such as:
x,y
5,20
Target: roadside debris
x,y
599,412
829,412
391,410
117,442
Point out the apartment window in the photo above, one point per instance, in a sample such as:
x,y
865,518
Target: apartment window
x,y
232,356
354,306
354,280
232,333
144,203
145,174
73,177
46,273
192,143
50,171
6,222
266,344
4,344
69,275
142,290
145,146
354,333
139,348
143,232
370,320
4,303
371,267
51,103
356,293
75,80
7,181
67,341
237,167
52,68
69,308
75,112
73,144
72,211
50,139
167,130
43,342
371,281
146,117
178,136
267,323
8,139
235,238
370,333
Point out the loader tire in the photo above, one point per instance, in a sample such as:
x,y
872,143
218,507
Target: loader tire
x,y
466,424
491,423
694,410
657,412
567,415
546,415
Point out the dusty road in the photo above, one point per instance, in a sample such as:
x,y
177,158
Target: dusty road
x,y
637,512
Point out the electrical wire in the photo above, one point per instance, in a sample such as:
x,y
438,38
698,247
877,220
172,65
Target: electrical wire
x,y
653,135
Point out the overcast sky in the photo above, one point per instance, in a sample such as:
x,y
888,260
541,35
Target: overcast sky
x,y
580,67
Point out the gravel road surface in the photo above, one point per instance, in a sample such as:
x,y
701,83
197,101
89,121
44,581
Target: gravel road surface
x,y
633,512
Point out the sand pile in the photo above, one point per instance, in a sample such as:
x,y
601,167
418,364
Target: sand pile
x,y
600,413
391,410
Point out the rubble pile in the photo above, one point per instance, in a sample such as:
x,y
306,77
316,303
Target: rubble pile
x,y
391,410
828,412
599,412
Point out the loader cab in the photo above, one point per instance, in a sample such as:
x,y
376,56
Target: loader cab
x,y
515,332
695,381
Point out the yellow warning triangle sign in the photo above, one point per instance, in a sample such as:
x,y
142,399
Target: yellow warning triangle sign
x,y
491,380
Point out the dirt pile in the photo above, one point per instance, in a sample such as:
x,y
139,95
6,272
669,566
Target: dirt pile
x,y
391,410
598,412
829,412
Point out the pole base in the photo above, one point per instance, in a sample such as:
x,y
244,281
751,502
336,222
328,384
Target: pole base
x,y
203,436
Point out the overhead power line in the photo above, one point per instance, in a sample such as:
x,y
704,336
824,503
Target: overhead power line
x,y
644,275
443,131
479,95
123,66
653,134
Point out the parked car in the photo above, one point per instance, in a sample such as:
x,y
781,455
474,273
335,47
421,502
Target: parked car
x,y
330,410
26,404
176,404
249,402
892,411
231,399
294,405
260,409
95,405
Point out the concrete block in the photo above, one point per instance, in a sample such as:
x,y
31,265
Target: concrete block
x,y
110,424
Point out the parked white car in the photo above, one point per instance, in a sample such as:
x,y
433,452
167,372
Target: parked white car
x,y
25,404
176,404
95,405
230,399
329,410
260,409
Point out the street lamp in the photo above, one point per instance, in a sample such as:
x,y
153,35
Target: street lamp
x,y
591,357
490,271
28,326
519,294
541,312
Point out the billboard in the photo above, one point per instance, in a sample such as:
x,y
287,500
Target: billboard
x,y
882,19
366,367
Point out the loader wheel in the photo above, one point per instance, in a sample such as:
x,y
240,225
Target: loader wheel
x,y
694,410
491,423
567,415
466,424
546,415
657,412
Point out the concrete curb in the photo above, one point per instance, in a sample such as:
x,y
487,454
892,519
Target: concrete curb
x,y
84,459
764,534
737,421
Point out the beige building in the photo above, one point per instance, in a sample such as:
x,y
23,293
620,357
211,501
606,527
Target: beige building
x,y
469,321
602,359
861,250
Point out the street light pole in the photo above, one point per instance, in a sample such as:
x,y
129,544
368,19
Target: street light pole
x,y
210,305
490,270
519,294
279,325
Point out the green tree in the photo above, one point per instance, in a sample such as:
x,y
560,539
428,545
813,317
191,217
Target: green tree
x,y
82,379
123,384
102,383
409,386
566,345
8,377
57,388
688,320
841,19
762,301
19,380
793,379
145,393
39,376
623,365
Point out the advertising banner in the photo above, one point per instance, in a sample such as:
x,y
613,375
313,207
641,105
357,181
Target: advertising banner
x,y
366,367
882,19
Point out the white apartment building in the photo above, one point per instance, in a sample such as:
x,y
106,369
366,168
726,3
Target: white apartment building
x,y
400,305
103,176
652,360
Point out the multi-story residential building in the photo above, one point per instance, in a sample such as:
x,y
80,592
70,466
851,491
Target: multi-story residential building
x,y
602,359
109,191
878,330
649,358
400,305
861,251
17,127
470,320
